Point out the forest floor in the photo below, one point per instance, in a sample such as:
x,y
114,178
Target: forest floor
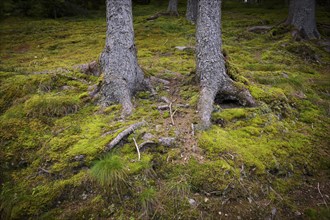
x,y
267,162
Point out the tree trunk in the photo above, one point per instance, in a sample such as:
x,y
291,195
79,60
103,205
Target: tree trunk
x,y
192,9
302,16
211,65
122,74
173,8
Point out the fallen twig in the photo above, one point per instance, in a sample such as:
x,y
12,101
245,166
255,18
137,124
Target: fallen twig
x,y
123,134
165,99
318,188
137,149
155,16
165,107
44,170
259,28
171,114
159,80
276,193
192,129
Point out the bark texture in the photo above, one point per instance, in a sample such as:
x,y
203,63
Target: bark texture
x,y
118,61
211,65
302,16
173,8
192,9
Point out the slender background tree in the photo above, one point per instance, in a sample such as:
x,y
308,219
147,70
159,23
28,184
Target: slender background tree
x,y
192,7
302,16
172,8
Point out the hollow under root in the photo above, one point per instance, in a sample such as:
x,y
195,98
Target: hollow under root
x,y
230,91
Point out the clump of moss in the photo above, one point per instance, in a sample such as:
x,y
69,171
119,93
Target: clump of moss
x,y
230,114
304,51
51,105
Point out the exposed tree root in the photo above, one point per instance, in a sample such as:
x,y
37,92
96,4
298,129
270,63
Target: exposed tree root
x,y
92,68
259,29
159,14
123,134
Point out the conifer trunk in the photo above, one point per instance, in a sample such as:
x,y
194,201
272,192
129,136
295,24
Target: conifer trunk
x,y
302,16
122,74
173,8
192,8
211,65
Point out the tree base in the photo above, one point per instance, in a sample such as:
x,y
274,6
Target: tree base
x,y
231,92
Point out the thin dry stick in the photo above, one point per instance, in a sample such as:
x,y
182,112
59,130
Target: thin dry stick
x,y
318,188
192,129
171,114
137,149
271,188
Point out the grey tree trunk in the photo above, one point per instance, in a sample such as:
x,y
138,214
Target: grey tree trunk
x,y
211,65
302,16
118,61
192,9
173,8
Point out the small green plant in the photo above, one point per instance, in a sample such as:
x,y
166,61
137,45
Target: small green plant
x,y
148,201
110,172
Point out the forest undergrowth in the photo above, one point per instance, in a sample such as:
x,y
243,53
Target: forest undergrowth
x,y
269,161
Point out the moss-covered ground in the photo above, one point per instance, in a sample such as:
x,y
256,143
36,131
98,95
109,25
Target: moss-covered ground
x,y
271,161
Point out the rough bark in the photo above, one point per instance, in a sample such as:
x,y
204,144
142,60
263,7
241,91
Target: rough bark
x,y
211,65
118,61
302,17
192,8
173,8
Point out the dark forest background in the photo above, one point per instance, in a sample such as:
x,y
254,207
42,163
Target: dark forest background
x,y
63,8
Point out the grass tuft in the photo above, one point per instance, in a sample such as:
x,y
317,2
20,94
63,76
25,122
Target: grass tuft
x,y
110,172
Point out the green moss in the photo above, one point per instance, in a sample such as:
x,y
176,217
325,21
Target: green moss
x,y
51,105
230,114
267,94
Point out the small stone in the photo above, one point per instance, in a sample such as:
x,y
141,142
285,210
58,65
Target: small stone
x,y
192,202
285,75
274,210
206,199
147,136
79,157
181,47
297,213
239,217
84,196
167,141
220,213
301,95
67,87
158,127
